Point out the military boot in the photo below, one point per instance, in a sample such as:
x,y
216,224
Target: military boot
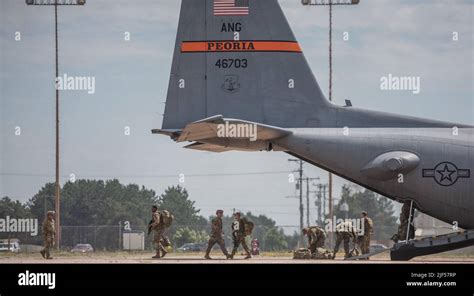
x,y
208,252
157,256
163,252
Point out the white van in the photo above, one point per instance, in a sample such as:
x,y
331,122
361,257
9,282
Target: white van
x,y
14,246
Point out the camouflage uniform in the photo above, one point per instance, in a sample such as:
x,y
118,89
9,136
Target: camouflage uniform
x,y
238,236
158,234
364,240
316,238
49,234
345,232
216,237
402,228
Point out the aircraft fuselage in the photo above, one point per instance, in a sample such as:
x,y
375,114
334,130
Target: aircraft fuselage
x,y
430,166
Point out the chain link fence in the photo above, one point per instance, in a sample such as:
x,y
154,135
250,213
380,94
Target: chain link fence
x,y
111,237
277,238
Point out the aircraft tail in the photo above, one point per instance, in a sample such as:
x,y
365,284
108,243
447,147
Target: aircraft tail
x,y
239,59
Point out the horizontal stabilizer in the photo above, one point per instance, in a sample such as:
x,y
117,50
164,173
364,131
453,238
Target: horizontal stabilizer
x,y
172,133
209,147
217,127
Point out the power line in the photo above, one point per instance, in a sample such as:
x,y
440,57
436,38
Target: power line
x,y
151,176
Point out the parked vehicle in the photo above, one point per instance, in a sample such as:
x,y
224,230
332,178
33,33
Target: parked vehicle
x,y
82,248
192,247
13,247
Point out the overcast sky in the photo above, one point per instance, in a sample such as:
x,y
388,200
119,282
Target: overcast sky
x,y
401,37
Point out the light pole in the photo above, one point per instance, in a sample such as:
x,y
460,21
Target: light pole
x,y
330,3
57,199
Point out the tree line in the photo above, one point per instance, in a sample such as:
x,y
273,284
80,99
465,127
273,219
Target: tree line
x,y
92,210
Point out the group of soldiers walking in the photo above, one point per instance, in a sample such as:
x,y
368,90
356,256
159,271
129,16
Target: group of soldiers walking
x,y
160,221
240,229
346,233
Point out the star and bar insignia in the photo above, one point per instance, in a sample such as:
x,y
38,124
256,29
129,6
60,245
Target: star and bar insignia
x,y
446,173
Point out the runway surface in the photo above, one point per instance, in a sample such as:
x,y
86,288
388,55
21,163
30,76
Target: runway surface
x,y
145,258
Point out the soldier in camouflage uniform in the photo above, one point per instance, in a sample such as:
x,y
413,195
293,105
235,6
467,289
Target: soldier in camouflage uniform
x,y
316,237
364,240
345,232
216,235
49,234
402,228
238,236
158,231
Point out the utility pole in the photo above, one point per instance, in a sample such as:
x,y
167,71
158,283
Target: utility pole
x,y
300,186
57,200
308,222
330,3
319,203
120,235
330,207
307,203
322,188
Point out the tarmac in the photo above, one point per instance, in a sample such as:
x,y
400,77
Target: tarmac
x,y
176,258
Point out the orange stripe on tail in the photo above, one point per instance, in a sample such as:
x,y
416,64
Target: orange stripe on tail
x,y
240,46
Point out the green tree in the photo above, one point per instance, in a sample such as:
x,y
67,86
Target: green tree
x,y
274,240
186,235
92,209
379,208
14,209
293,240
17,210
262,224
42,202
176,200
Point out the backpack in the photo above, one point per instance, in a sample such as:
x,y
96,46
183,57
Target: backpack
x,y
248,226
166,218
302,253
165,241
322,253
371,225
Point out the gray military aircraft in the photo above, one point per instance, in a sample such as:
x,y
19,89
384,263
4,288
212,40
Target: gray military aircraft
x,y
239,81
